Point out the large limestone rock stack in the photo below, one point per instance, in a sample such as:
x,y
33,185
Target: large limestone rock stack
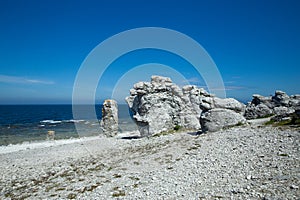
x,y
160,105
109,121
191,111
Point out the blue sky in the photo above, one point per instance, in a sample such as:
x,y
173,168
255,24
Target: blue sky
x,y
255,45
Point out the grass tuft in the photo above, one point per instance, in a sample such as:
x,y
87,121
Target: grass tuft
x,y
119,194
177,128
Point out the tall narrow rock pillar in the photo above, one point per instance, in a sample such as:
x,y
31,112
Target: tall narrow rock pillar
x,y
109,121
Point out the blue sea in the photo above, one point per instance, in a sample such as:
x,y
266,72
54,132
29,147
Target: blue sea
x,y
25,123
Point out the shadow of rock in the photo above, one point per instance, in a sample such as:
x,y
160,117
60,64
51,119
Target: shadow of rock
x,y
130,137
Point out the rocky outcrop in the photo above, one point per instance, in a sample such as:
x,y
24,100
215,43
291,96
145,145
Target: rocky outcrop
x,y
208,103
109,121
221,113
259,107
281,105
219,118
160,105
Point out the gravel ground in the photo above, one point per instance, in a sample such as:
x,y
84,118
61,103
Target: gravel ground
x,y
252,162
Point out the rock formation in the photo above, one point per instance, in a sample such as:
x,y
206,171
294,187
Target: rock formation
x,y
221,113
218,118
160,105
281,105
209,103
109,121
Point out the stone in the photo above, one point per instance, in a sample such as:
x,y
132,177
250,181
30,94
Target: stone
x,y
220,113
190,107
231,104
219,118
281,105
294,101
259,111
227,103
109,121
161,105
258,99
282,110
283,113
280,98
50,135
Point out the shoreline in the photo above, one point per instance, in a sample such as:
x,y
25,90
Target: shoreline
x,y
42,144
49,143
250,161
37,144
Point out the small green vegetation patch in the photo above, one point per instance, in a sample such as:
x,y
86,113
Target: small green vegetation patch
x,y
292,121
71,196
120,193
177,128
117,175
270,122
239,124
171,131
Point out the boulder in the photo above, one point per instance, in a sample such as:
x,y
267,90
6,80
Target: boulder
x,y
218,118
259,111
109,121
281,98
220,113
209,103
282,110
294,101
282,113
258,99
280,105
161,105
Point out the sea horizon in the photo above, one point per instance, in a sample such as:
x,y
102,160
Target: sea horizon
x,y
25,123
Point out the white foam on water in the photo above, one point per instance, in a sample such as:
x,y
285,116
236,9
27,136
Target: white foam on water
x,y
50,121
74,120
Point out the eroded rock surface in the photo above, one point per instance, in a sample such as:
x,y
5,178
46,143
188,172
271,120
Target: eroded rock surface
x,y
161,105
209,103
219,118
281,105
109,121
221,113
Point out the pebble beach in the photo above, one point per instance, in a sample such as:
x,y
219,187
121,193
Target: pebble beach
x,y
246,162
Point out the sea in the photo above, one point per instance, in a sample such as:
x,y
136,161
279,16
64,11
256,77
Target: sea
x,y
28,123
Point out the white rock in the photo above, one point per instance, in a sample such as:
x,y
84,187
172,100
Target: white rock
x,y
164,105
280,104
281,110
109,121
218,118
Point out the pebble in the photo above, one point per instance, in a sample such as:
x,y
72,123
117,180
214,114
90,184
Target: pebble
x,y
213,170
294,187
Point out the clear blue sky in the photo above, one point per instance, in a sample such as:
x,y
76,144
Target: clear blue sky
x,y
255,44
